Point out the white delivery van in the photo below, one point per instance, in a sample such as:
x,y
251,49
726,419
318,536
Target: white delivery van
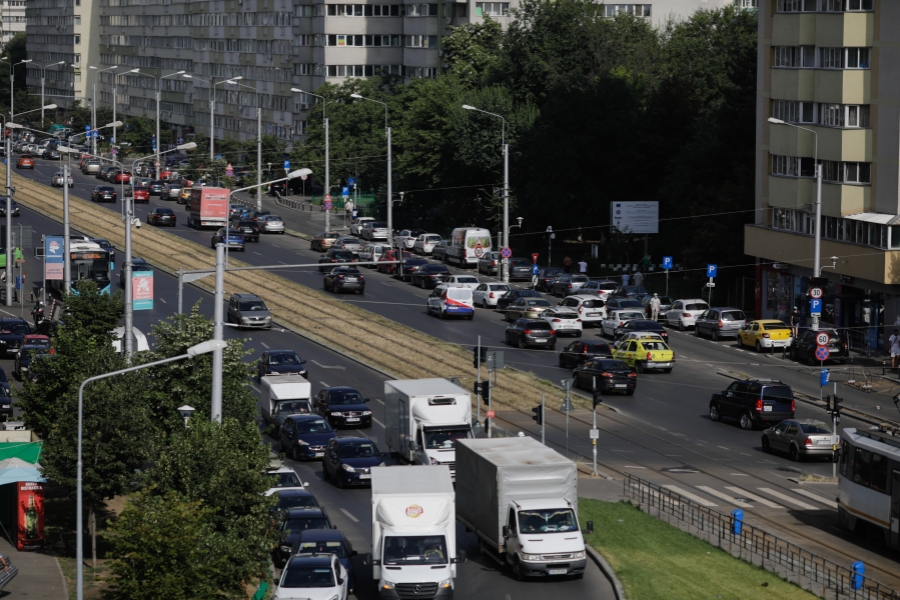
x,y
284,395
467,245
451,300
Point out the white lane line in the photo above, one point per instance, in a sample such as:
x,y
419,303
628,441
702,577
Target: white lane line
x,y
787,498
257,253
258,391
698,499
818,498
163,300
324,384
264,345
379,422
379,401
320,365
739,475
723,447
634,467
348,515
724,496
743,454
753,497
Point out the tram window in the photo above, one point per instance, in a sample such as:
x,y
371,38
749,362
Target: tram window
x,y
879,473
845,457
862,467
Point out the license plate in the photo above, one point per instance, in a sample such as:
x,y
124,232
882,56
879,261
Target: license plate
x,y
365,476
823,442
593,314
540,341
621,385
557,571
660,365
319,454
351,280
767,409
351,419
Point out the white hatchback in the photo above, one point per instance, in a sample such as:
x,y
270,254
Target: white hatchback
x,y
469,281
591,309
617,318
684,313
357,224
563,320
425,243
313,577
487,294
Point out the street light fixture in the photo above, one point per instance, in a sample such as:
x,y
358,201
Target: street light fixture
x,y
94,105
817,244
115,98
258,141
390,194
186,412
212,107
158,149
201,348
504,262
43,74
327,153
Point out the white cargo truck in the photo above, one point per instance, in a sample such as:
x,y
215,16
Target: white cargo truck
x,y
521,500
284,395
413,532
423,418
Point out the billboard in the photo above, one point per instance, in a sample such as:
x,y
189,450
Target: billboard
x,y
635,216
54,260
30,515
142,290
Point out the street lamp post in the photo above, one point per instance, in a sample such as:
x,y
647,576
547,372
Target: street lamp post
x,y
817,244
327,154
212,108
94,106
115,98
258,142
43,74
390,194
201,348
158,150
504,262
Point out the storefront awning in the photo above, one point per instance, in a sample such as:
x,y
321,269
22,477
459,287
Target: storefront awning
x,y
17,474
873,217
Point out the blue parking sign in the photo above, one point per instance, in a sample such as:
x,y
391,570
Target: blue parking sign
x,y
287,165
711,270
667,262
345,191
815,306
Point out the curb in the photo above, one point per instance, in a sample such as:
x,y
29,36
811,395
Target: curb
x,y
607,572
587,471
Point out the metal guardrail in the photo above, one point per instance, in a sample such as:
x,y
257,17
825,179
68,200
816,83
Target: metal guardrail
x,y
810,571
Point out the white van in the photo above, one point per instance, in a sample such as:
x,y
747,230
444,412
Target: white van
x,y
451,300
467,245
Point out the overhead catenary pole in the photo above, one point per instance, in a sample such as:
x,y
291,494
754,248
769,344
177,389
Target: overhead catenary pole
x,y
390,190
218,335
327,152
259,192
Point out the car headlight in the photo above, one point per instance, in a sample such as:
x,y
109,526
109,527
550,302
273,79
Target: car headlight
x,y
348,468
268,317
578,555
387,585
367,413
531,557
444,584
337,414
286,549
302,443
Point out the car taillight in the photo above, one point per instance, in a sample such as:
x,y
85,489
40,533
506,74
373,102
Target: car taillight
x,y
621,323
688,315
340,276
606,375
792,405
721,324
632,374
580,309
766,335
759,406
527,332
557,321
808,442
649,356
584,350
570,286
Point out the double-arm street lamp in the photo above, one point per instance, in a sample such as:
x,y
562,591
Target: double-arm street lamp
x,y
115,95
94,105
158,149
327,154
504,262
5,59
212,108
43,74
258,141
390,193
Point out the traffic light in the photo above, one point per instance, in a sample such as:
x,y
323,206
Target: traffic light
x,y
598,399
479,355
486,392
477,388
837,407
538,416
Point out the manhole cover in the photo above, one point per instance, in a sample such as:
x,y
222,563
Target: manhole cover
x,y
682,469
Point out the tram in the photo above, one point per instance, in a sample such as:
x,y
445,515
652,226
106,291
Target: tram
x,y
869,483
87,261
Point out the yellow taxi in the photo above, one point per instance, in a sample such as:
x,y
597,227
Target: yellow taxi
x,y
765,334
645,354
185,195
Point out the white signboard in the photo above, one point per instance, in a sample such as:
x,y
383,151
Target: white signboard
x,y
635,217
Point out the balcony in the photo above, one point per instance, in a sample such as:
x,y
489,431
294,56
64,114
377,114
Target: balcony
x,y
848,86
834,143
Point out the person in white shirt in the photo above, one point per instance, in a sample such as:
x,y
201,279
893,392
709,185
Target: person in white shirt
x,y
894,341
582,267
655,303
638,278
625,279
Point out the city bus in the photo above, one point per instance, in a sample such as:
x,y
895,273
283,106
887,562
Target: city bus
x,y
88,261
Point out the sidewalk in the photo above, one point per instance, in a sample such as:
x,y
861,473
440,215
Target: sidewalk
x,y
39,575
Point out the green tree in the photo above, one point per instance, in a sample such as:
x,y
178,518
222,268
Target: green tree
x,y
472,50
14,52
167,547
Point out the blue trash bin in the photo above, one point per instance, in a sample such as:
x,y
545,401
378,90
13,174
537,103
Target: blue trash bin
x,y
737,521
859,571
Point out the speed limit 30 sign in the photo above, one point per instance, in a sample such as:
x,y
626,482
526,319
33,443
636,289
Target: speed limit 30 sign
x,y
822,338
816,293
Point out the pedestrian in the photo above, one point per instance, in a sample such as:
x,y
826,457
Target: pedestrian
x,y
894,341
795,322
6,576
582,267
638,278
625,278
655,303
567,264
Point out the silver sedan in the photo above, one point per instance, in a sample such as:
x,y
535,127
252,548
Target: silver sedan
x,y
352,244
799,438
272,224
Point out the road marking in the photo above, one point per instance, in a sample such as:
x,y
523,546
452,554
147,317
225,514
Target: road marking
x,y
634,467
328,366
264,345
379,401
818,498
163,300
698,499
257,253
787,498
258,391
724,496
723,447
740,475
325,384
379,422
348,515
743,454
753,497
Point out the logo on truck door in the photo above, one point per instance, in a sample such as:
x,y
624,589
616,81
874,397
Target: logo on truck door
x,y
415,511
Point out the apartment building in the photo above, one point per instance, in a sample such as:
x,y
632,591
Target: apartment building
x,y
830,67
12,16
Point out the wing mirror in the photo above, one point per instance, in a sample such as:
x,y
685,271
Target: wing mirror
x,y
590,527
366,400
460,557
506,532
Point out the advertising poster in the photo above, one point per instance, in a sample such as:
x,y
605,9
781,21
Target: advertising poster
x,y
54,261
30,509
142,290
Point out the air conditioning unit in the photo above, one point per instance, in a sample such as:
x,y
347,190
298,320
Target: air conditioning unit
x,y
781,266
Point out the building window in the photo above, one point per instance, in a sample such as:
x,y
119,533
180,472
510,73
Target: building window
x,y
638,10
796,5
795,56
77,38
748,4
421,41
843,115
792,111
844,58
492,9
786,165
846,5
831,58
77,20
857,58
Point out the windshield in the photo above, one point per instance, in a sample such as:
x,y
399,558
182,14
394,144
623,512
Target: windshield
x,y
777,393
466,280
631,315
537,303
415,550
815,428
308,577
360,450
444,439
464,294
627,303
282,359
696,306
19,328
344,397
552,520
321,547
313,426
654,346
433,238
305,523
734,315
293,408
287,502
284,480
253,305
774,326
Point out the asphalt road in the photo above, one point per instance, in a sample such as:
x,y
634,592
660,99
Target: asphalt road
x,y
349,509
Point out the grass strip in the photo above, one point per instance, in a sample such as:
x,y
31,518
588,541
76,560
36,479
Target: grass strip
x,y
656,561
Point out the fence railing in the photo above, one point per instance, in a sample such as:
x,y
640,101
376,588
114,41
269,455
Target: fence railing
x,y
810,571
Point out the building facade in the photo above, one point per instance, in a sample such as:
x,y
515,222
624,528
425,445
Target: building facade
x,y
12,14
829,67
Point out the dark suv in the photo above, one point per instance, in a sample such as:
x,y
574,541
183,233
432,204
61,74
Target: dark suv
x,y
12,331
343,407
803,348
753,402
249,229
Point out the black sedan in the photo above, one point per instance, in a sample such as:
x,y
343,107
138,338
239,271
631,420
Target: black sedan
x,y
281,362
15,207
231,239
304,437
610,376
249,229
546,277
161,216
156,188
803,348
409,266
349,461
335,256
293,498
104,193
639,326
343,406
429,275
24,358
578,353
531,333
345,279
137,264
513,295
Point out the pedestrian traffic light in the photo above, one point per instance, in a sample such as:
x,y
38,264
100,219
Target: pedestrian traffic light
x,y
477,388
538,416
486,392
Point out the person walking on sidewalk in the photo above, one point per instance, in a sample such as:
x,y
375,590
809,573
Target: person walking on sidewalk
x,y
655,303
638,278
567,264
894,341
582,267
795,322
625,278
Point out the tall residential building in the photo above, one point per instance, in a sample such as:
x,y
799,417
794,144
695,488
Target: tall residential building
x,y
12,15
829,67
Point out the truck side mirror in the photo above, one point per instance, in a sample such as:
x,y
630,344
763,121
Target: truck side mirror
x,y
590,527
413,445
366,400
460,557
506,532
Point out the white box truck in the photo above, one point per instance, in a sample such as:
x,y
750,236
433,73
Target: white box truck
x,y
413,532
284,395
423,418
521,500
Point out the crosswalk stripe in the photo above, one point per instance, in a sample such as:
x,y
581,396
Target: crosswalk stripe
x,y
787,498
724,496
754,497
698,499
818,498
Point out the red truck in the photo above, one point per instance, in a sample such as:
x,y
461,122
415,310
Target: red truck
x,y
208,207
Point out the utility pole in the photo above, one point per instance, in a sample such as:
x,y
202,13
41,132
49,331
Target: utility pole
x,y
218,335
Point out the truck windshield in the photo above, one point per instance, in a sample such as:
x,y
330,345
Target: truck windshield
x,y
294,408
436,439
415,550
547,520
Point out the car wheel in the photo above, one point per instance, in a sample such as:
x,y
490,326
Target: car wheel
x,y
578,335
697,331
793,453
766,446
715,335
810,360
746,421
639,367
362,292
759,347
562,362
520,344
714,413
681,326
338,480
668,370
325,475
629,393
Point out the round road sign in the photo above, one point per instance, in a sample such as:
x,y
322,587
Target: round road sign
x,y
491,414
816,293
822,353
328,205
479,251
506,252
822,338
